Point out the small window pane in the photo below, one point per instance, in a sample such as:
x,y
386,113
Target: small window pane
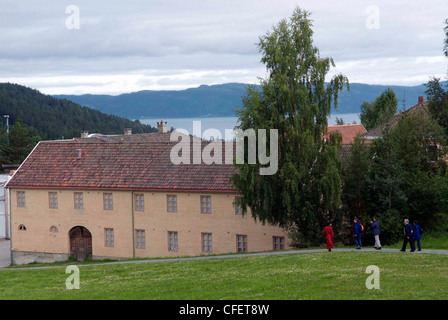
x,y
79,201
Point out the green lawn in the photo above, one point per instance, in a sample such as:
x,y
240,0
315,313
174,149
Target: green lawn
x,y
432,241
323,275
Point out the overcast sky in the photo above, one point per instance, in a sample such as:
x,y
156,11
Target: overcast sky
x,y
124,46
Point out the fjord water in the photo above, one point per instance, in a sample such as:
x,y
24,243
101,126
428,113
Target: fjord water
x,y
222,123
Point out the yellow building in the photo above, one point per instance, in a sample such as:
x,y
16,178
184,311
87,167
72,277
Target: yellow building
x,y
124,198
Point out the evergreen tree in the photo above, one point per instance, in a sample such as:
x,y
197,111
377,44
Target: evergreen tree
x,y
438,102
56,118
339,121
294,99
384,187
438,96
379,111
354,177
421,149
407,174
20,141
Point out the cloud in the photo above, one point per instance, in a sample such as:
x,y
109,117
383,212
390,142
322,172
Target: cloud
x,y
124,46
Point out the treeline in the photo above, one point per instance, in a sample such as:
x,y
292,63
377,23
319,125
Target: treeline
x,y
34,116
401,174
57,118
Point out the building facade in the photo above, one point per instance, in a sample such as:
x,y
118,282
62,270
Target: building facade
x,y
125,200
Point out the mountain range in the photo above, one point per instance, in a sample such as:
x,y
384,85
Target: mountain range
x,y
222,100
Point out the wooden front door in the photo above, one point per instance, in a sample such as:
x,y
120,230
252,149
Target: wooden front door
x,y
80,243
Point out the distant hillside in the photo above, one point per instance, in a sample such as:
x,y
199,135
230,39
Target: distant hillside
x,y
56,118
351,101
217,100
220,100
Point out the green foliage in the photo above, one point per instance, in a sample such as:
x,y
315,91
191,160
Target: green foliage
x,y
445,47
19,143
385,177
306,191
339,121
437,95
379,111
403,176
299,276
438,102
55,118
354,177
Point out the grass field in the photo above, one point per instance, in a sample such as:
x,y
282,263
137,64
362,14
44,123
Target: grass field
x,y
309,276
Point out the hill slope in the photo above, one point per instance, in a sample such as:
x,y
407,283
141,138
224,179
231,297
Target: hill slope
x,y
220,100
55,118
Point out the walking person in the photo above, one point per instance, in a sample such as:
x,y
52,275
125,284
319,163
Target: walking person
x,y
408,236
417,234
375,228
358,233
329,236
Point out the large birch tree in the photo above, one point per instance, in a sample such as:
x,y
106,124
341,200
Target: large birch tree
x,y
305,193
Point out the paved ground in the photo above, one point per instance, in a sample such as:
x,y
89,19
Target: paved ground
x,y
5,256
5,253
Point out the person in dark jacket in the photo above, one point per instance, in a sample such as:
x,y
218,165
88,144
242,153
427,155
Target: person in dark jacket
x,y
408,236
358,233
417,234
375,228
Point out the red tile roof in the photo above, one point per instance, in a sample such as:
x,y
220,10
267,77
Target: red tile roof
x,y
348,131
131,162
136,166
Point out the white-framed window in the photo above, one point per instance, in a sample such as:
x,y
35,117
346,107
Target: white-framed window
x,y
206,204
241,243
53,200
171,202
172,241
139,202
109,237
140,239
207,242
108,201
79,200
21,203
279,243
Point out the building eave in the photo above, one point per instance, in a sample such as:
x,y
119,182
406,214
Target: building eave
x,y
121,189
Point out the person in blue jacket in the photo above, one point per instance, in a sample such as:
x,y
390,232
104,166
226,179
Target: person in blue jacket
x,y
417,234
358,234
375,228
408,236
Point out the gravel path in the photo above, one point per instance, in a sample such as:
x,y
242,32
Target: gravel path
x,y
5,256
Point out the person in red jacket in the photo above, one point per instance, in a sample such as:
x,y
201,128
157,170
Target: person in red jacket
x,y
329,236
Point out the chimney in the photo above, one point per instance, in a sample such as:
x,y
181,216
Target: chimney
x,y
421,99
162,127
127,131
85,134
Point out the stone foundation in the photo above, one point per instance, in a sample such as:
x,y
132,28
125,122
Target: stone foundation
x,y
26,257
